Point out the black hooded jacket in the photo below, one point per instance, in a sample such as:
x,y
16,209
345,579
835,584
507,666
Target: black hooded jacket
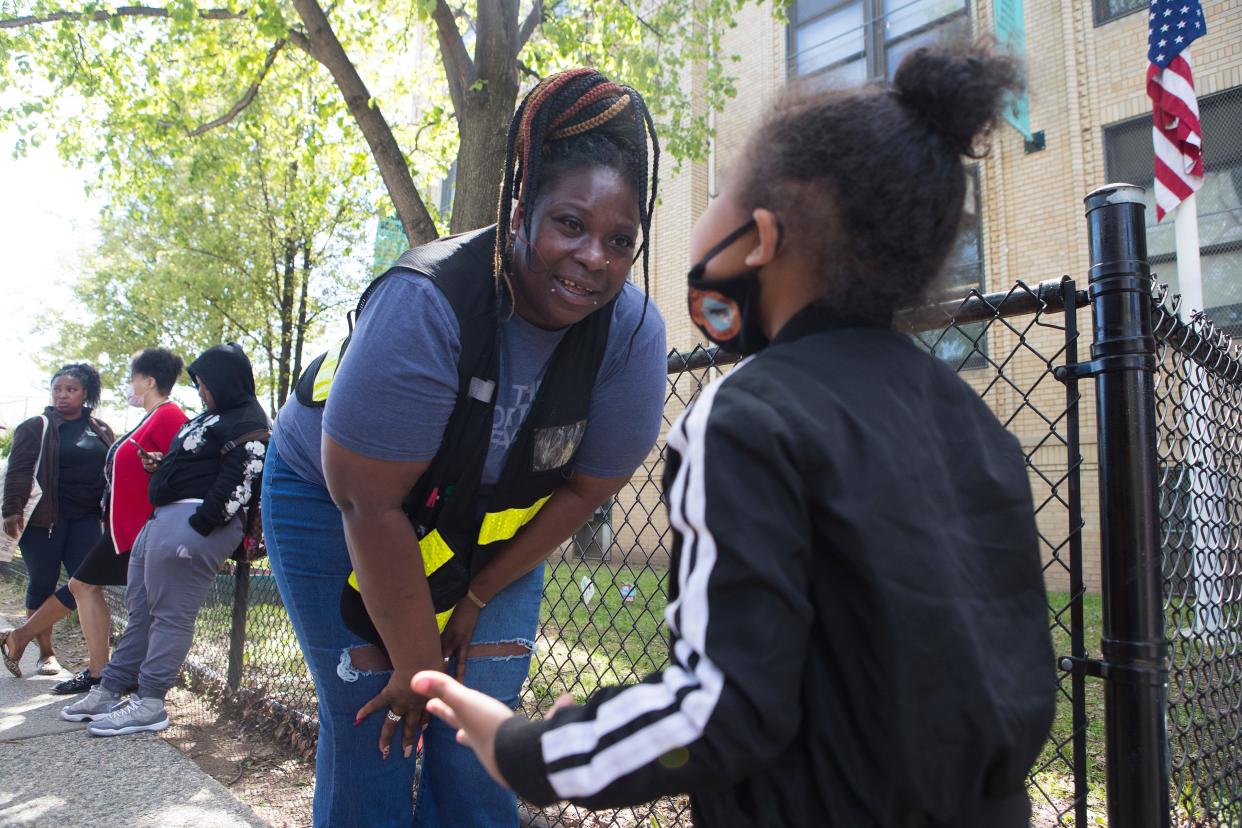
x,y
196,465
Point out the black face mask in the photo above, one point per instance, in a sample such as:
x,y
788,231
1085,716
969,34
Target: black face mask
x,y
727,310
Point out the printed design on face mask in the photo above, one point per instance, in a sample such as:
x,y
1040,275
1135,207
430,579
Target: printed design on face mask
x,y
253,469
554,446
709,309
510,413
192,432
726,308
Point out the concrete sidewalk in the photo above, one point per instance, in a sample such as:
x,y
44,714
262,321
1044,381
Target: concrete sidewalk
x,y
52,773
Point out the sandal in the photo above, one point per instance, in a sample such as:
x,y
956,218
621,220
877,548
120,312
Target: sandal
x,y
9,661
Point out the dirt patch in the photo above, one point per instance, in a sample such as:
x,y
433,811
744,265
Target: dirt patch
x,y
278,784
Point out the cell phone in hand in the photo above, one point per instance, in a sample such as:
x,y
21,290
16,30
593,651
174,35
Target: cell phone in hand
x,y
143,453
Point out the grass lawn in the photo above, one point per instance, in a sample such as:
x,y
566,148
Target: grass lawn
x,y
582,645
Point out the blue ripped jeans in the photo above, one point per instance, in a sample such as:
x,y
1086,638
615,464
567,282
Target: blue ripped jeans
x,y
354,785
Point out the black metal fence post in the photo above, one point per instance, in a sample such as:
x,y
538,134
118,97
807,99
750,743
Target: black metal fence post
x,y
237,629
1135,650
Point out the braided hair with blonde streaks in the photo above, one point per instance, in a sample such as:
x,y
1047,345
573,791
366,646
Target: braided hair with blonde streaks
x,y
576,118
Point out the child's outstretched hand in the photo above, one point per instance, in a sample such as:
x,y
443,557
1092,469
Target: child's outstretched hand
x,y
475,716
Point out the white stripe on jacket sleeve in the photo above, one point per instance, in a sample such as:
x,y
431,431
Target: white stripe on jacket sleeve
x,y
686,719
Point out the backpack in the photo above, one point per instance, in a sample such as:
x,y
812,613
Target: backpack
x,y
252,547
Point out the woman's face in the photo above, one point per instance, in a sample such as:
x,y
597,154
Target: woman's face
x,y
204,394
141,383
68,396
585,228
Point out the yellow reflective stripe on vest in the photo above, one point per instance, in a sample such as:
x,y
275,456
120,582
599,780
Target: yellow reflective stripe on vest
x,y
497,526
500,526
443,617
326,372
436,553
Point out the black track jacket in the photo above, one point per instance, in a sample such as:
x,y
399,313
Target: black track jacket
x,y
857,618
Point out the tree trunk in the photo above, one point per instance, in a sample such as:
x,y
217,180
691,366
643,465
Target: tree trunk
x,y
271,363
484,114
286,282
327,49
481,158
300,330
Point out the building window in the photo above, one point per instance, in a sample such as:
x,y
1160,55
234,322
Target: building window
x,y
1106,10
846,43
1129,157
963,346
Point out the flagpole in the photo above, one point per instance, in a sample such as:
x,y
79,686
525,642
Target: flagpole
x,y
1189,274
1203,495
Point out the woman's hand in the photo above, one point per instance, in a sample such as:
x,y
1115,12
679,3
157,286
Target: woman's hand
x,y
151,460
401,701
455,640
14,525
476,717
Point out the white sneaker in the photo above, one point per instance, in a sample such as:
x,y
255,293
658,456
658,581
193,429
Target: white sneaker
x,y
139,716
49,666
96,704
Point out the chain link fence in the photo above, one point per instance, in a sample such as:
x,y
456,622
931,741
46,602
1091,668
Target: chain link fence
x,y
606,588
1199,418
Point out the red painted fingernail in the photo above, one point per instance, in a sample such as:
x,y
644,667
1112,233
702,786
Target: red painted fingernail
x,y
357,721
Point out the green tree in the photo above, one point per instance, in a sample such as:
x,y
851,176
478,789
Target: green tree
x,y
120,58
247,235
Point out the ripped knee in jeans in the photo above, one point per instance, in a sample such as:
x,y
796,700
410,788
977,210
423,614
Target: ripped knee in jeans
x,y
369,660
363,660
501,650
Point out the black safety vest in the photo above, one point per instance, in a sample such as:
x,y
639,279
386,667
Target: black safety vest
x,y
456,534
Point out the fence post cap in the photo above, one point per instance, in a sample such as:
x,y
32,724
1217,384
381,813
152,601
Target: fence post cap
x,y
1114,194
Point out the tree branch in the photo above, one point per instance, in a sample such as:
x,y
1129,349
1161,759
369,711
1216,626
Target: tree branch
x,y
211,254
458,67
104,16
246,99
299,39
393,167
532,21
643,22
526,70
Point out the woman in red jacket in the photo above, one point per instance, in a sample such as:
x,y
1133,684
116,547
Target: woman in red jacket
x,y
153,373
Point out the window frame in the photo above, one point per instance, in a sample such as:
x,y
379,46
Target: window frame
x,y
978,357
1102,17
1143,121
875,45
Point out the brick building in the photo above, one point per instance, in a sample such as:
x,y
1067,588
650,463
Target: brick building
x,y
1086,64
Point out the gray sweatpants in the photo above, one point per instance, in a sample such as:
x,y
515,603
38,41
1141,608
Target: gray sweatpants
x,y
171,567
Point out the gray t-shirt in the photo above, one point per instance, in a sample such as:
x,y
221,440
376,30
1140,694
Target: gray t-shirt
x,y
397,384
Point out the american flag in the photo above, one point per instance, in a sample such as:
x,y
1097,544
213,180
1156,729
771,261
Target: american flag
x,y
1172,25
